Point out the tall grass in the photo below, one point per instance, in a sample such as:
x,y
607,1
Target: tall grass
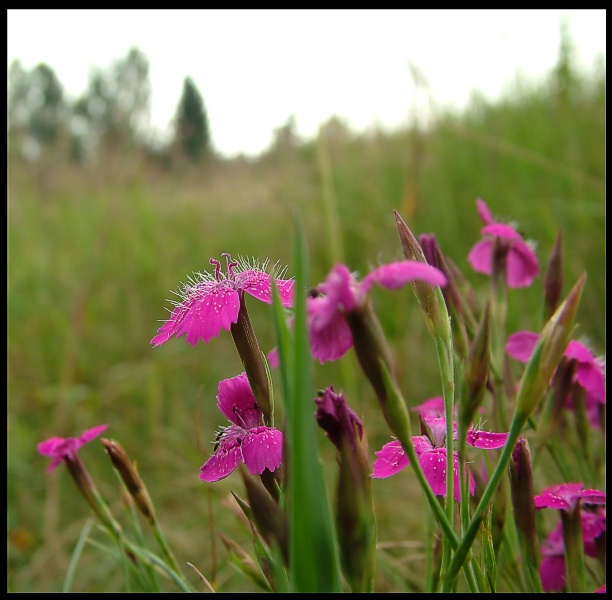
x,y
92,255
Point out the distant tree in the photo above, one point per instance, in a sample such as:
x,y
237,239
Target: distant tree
x,y
285,137
36,108
192,134
17,94
115,108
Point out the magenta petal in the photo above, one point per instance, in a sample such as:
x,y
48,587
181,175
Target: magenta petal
x,y
437,426
262,448
481,255
332,341
272,357
256,283
592,380
339,287
227,457
484,212
237,401
211,311
51,446
552,573
171,326
566,495
522,267
501,230
421,444
397,274
90,434
391,459
433,464
593,524
589,370
579,352
286,291
322,310
433,407
593,497
520,345
486,439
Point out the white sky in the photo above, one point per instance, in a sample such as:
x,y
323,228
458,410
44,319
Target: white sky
x,y
256,68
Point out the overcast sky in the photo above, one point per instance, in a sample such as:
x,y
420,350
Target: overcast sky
x,y
256,68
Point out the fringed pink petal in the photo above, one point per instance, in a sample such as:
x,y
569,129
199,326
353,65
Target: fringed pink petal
x,y
485,439
227,457
262,448
390,459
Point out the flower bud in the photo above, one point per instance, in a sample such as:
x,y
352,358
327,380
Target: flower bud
x,y
269,517
548,352
245,563
553,278
354,506
548,421
430,297
450,291
521,490
132,480
87,487
476,372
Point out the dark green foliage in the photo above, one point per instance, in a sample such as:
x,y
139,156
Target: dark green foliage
x,y
192,133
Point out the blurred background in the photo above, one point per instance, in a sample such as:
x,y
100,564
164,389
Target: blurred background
x,y
143,143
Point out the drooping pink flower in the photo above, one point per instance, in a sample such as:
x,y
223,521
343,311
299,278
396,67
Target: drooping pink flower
x,y
522,265
552,567
431,453
589,373
59,448
341,293
565,496
211,302
247,440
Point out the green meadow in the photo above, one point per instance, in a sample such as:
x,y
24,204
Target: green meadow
x,y
94,254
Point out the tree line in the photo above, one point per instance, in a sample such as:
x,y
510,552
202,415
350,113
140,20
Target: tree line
x,y
113,113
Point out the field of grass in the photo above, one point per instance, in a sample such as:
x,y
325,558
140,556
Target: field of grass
x,y
93,255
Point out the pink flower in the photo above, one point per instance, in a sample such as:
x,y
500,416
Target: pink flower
x,y
565,496
552,567
247,440
522,264
212,302
433,407
431,452
60,448
589,373
341,293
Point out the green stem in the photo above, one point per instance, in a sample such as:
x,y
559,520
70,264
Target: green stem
x,y
463,549
398,414
574,550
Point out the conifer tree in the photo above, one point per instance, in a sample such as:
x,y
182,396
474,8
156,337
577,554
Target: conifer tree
x,y
192,134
